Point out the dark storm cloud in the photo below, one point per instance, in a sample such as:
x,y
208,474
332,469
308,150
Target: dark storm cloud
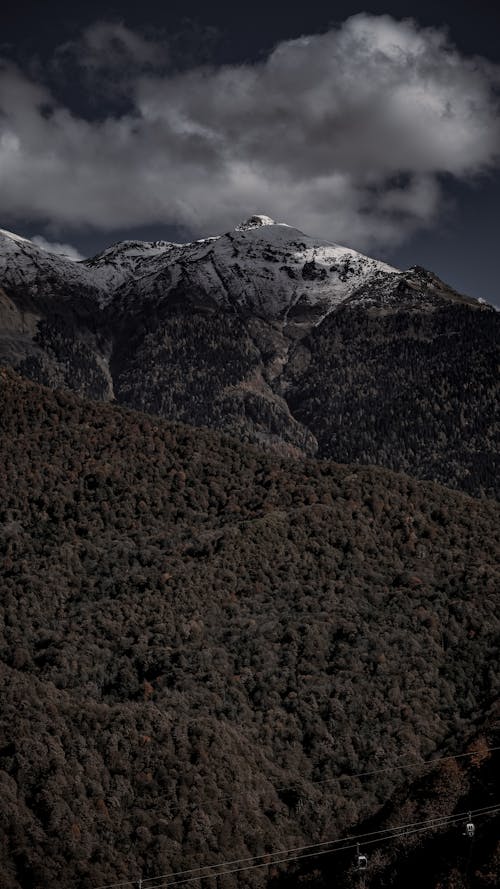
x,y
108,47
346,133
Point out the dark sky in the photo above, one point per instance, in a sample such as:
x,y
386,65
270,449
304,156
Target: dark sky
x,y
112,128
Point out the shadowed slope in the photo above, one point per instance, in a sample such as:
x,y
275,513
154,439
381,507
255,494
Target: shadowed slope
x,y
191,627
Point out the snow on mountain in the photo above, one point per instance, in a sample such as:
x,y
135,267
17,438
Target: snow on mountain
x,y
414,289
10,236
262,267
275,270
27,267
269,269
126,263
254,222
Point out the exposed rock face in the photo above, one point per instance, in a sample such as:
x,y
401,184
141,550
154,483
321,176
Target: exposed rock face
x,y
280,338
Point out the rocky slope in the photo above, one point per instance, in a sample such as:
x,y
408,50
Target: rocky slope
x,y
281,339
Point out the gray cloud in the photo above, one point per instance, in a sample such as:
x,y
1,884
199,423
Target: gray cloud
x,y
66,250
104,47
346,134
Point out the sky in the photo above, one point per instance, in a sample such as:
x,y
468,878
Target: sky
x,y
376,126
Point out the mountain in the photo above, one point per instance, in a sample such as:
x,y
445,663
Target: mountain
x,y
263,268
279,338
211,652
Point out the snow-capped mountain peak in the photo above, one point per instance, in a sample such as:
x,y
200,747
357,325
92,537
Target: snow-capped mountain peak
x,y
276,271
263,268
254,222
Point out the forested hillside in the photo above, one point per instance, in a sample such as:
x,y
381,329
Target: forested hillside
x,y
195,633
409,389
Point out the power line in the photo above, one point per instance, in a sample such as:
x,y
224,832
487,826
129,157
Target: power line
x,y
357,837
409,765
438,822
402,830
353,776
443,821
386,769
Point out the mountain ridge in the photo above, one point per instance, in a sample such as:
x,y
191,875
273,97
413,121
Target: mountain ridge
x,y
223,332
121,266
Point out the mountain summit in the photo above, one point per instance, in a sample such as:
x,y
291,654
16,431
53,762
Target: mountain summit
x,y
255,222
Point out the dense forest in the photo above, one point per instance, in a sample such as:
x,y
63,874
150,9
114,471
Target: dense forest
x,y
413,390
202,642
